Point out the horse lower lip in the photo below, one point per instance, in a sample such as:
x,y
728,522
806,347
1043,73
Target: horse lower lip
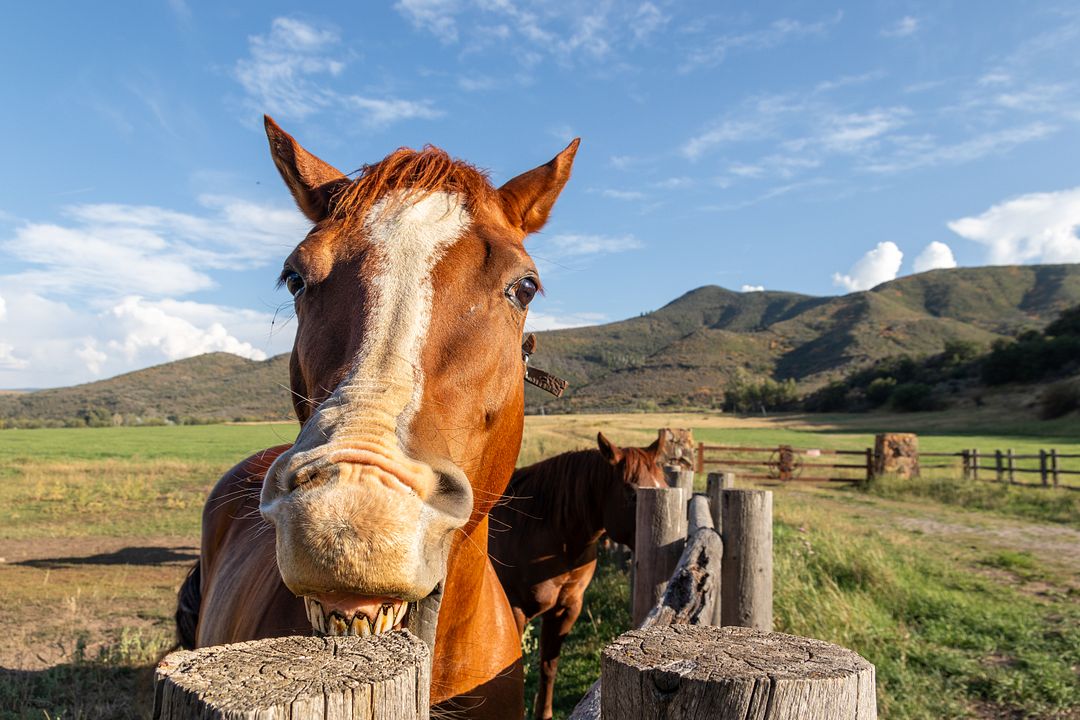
x,y
372,620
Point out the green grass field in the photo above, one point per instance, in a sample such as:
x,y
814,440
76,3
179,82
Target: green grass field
x,y
968,608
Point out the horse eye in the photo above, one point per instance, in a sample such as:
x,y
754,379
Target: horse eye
x,y
524,291
294,282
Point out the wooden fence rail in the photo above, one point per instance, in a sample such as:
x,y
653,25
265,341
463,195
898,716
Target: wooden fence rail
x,y
786,463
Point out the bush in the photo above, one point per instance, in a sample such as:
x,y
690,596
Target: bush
x,y
914,397
1059,399
880,390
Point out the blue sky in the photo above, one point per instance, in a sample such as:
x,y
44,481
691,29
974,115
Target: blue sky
x,y
788,145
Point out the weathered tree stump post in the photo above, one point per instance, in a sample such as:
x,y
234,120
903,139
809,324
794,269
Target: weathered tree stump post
x,y
680,477
694,672
658,543
715,484
746,577
896,454
297,678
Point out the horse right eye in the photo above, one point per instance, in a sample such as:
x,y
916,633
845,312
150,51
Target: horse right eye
x,y
293,282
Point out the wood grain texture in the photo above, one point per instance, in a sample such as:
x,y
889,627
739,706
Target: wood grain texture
x,y
660,535
680,477
747,573
296,678
715,484
689,672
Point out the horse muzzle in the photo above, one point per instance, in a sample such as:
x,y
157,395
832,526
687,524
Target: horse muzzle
x,y
363,535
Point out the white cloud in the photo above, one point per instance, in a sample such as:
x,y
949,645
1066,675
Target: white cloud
x,y
49,342
97,295
542,321
285,71
622,194
150,250
776,34
1039,227
875,267
174,330
934,256
729,131
435,16
647,20
752,288
903,27
572,245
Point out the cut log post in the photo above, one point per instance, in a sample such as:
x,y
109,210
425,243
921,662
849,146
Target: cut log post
x,y
692,597
698,516
715,484
896,454
680,477
688,672
747,577
297,678
658,543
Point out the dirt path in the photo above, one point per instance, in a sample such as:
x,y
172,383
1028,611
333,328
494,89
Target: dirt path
x,y
60,597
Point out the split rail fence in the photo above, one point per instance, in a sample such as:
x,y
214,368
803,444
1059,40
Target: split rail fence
x,y
1007,466
785,463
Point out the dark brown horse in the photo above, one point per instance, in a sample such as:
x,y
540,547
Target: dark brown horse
x,y
407,376
544,536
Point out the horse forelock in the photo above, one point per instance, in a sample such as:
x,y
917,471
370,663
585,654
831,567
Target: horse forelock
x,y
411,175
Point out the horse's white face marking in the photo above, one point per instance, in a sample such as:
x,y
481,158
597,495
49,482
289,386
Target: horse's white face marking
x,y
408,240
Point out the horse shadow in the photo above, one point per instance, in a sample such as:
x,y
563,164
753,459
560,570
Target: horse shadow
x,y
123,556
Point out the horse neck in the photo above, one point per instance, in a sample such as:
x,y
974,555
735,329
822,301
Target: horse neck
x,y
573,488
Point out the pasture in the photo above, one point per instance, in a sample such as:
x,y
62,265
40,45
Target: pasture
x,y
964,594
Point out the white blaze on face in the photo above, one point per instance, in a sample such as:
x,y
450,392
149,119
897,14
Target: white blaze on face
x,y
406,239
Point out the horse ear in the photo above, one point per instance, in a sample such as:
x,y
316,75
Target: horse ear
x,y
527,199
654,449
611,452
311,181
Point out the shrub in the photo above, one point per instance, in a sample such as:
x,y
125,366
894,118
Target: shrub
x,y
879,391
914,397
1059,399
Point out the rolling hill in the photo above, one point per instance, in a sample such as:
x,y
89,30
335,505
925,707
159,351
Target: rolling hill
x,y
682,354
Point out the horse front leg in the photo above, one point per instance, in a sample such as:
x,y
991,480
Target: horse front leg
x,y
555,626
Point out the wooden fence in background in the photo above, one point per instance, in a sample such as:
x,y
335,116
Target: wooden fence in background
x,y
1005,465
785,463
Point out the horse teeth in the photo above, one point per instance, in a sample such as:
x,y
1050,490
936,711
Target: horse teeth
x,y
338,626
360,625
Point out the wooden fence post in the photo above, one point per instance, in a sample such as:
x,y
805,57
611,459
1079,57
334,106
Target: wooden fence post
x,y
1054,466
715,484
1043,469
975,463
746,583
297,678
699,672
679,477
999,466
869,465
966,459
658,543
1012,466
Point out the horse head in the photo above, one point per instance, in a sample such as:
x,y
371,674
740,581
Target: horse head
x,y
411,292
634,468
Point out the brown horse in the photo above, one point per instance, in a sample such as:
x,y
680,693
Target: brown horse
x,y
407,376
545,532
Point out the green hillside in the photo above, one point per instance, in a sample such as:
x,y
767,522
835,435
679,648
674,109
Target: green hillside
x,y
682,354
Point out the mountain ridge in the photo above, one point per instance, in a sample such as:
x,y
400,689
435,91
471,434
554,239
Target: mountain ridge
x,y
682,354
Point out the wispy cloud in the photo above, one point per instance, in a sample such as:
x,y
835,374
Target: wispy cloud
x,y
574,245
1038,227
911,152
875,267
775,34
904,27
287,71
628,195
538,321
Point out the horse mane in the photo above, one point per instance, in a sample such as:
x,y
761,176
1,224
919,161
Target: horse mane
x,y
417,172
556,490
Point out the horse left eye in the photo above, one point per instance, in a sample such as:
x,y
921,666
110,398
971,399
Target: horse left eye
x,y
524,291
